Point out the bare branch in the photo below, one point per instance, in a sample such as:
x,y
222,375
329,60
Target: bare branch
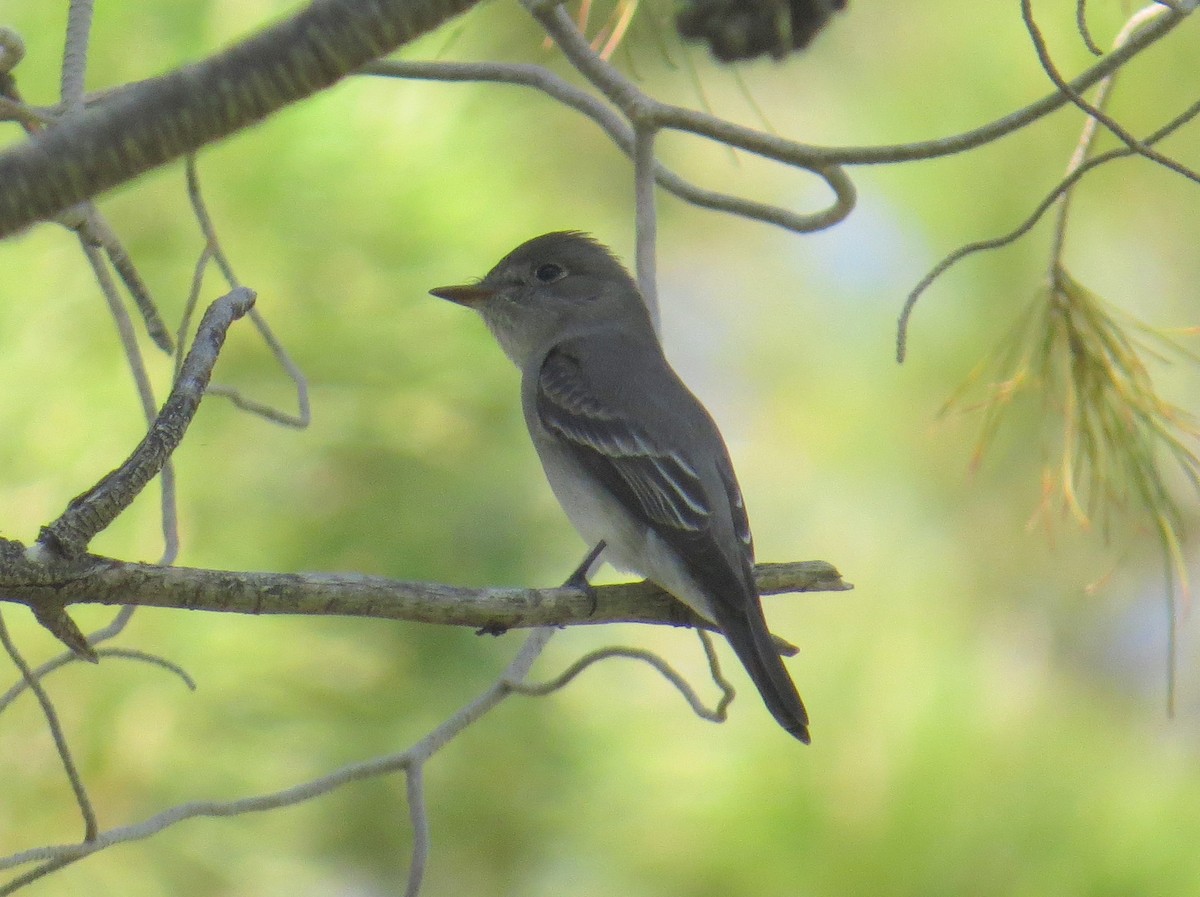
x,y
668,672
1094,112
1091,126
1014,121
91,579
142,126
646,221
643,111
74,67
56,856
415,792
1027,225
91,512
214,250
618,130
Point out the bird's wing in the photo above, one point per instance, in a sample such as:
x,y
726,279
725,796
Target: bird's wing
x,y
659,485
655,482
737,510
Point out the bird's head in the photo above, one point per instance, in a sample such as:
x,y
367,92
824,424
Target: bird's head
x,y
550,288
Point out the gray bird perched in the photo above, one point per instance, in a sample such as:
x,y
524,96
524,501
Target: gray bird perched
x,y
633,457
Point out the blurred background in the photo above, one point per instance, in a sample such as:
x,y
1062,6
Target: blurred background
x,y
988,704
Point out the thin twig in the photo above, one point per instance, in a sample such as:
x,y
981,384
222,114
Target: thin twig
x,y
75,54
1027,225
11,887
644,111
1014,121
64,854
714,668
62,660
646,221
1091,127
97,228
1085,33
621,134
668,672
114,628
88,222
90,827
1075,97
419,818
303,416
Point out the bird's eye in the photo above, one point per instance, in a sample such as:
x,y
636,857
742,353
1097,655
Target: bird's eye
x,y
549,273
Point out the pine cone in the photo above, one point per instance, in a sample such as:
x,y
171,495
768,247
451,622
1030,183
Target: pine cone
x,y
744,29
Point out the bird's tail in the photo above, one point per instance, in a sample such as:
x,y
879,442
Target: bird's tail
x,y
748,635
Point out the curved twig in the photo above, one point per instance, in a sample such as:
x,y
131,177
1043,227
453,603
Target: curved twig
x,y
213,249
714,669
114,628
82,800
57,856
643,111
1093,112
621,134
91,512
1090,127
538,689
1024,227
1085,33
62,660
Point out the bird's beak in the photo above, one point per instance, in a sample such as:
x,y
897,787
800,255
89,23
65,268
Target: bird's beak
x,y
471,295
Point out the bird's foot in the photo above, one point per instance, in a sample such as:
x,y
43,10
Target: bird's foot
x,y
579,578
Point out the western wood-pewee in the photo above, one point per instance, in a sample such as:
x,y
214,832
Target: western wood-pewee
x,y
633,457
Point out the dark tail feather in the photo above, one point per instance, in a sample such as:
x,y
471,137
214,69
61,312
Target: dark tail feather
x,y
751,641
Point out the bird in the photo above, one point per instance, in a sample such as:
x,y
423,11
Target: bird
x,y
633,457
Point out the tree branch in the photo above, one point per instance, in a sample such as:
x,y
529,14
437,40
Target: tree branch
x,y
91,512
1014,121
613,122
92,579
53,857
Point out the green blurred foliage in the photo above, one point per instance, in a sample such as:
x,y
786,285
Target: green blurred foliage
x,y
987,704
